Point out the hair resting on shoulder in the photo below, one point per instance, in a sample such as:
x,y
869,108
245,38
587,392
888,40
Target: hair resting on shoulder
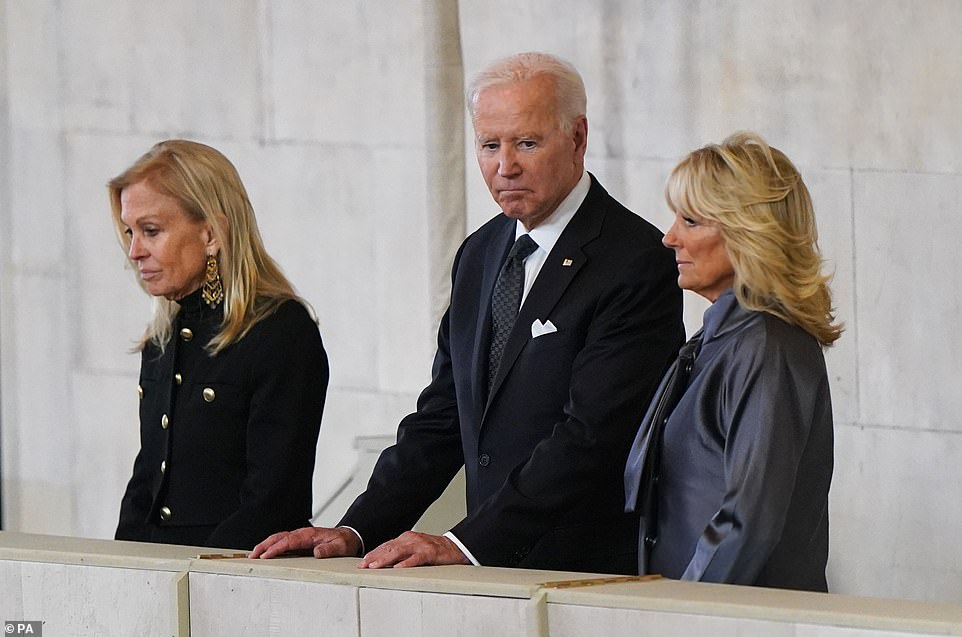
x,y
209,189
762,207
572,101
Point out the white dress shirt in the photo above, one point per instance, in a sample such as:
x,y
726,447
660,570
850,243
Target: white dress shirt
x,y
547,232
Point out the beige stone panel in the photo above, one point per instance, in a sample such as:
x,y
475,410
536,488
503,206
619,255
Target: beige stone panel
x,y
392,613
444,147
783,607
813,630
909,295
839,83
497,29
831,194
349,414
349,73
449,509
37,239
107,438
81,601
895,514
237,605
111,310
315,206
31,31
693,75
36,406
634,60
574,621
156,68
906,88
864,83
195,68
99,77
11,599
37,503
639,184
627,55
406,331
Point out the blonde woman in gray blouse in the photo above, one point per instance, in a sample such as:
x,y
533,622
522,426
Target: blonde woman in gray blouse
x,y
732,465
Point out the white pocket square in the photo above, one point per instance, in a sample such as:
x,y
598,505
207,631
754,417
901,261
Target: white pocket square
x,y
540,329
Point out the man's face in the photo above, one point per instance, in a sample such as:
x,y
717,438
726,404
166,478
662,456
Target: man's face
x,y
529,164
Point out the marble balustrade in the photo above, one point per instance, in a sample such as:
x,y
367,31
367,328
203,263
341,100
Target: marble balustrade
x,y
83,587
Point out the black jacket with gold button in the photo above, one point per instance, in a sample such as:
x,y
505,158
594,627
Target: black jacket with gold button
x,y
227,441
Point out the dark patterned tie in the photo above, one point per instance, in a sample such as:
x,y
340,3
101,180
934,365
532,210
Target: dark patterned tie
x,y
644,460
506,300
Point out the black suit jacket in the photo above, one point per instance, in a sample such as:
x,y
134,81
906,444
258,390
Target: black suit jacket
x,y
241,431
544,451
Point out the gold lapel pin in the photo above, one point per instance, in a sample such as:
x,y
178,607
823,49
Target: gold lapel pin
x,y
567,262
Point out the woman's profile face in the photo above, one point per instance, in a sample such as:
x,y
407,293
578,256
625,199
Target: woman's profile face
x,y
703,264
169,247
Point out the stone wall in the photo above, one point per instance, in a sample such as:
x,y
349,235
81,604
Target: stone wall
x,y
345,121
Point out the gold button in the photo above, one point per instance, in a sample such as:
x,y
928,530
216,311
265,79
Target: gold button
x,y
140,392
178,378
163,466
164,422
186,334
165,514
208,394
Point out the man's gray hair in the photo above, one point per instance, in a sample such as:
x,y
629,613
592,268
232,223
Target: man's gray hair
x,y
571,100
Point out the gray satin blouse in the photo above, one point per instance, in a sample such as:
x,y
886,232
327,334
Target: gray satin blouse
x,y
747,458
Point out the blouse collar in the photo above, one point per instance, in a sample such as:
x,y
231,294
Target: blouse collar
x,y
717,312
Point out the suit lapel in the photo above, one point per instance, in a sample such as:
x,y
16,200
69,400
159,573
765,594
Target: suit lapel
x,y
562,264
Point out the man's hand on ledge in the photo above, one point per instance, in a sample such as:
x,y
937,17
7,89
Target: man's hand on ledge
x,y
321,542
414,549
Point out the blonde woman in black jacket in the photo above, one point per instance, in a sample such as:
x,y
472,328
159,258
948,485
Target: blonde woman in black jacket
x,y
233,372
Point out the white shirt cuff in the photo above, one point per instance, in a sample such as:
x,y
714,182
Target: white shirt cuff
x,y
457,543
353,530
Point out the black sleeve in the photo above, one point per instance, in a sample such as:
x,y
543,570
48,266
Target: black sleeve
x,y
289,376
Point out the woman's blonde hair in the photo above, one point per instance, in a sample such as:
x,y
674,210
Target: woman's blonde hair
x,y
757,198
209,189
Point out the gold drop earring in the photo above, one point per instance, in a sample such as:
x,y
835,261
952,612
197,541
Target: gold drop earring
x,y
213,290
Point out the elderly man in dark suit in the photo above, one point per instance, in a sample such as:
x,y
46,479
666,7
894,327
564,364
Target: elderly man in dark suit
x,y
540,403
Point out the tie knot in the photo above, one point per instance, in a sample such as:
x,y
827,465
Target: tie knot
x,y
522,247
